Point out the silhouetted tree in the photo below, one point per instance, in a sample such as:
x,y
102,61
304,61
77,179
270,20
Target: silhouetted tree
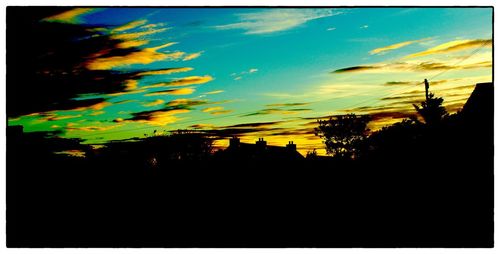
x,y
431,110
311,155
343,134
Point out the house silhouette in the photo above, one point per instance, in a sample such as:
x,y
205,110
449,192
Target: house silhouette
x,y
259,151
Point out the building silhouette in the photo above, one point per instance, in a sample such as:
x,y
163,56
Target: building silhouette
x,y
259,151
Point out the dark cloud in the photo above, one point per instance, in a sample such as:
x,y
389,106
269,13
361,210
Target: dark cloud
x,y
258,124
356,69
391,83
288,104
278,111
48,62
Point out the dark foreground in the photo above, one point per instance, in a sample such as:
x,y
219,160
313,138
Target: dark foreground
x,y
376,203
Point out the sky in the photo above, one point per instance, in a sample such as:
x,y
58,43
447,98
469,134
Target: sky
x,y
263,72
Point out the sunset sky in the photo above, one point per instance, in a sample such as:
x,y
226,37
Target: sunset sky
x,y
267,72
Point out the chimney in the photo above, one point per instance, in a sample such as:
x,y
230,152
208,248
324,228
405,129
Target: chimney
x,y
234,142
261,144
291,146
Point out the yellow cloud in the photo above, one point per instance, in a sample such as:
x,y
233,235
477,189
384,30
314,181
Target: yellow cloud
x,y
144,56
96,113
215,92
191,56
97,106
221,112
154,103
72,16
193,80
91,128
130,25
132,36
180,91
131,44
451,46
162,118
394,46
212,109
166,71
131,84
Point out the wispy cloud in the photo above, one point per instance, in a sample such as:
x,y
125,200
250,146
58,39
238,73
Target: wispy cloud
x,y
395,46
153,103
275,20
452,46
143,56
412,67
159,117
180,91
193,80
192,56
165,71
215,92
239,76
72,16
129,26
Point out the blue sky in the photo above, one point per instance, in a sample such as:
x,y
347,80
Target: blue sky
x,y
277,69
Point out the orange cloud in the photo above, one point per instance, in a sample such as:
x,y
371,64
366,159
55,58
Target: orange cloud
x,y
212,109
144,56
394,46
154,103
72,16
130,25
132,36
193,80
131,44
166,71
180,91
451,46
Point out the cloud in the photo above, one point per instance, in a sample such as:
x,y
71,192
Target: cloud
x,y
187,102
452,46
275,20
72,16
166,71
215,92
202,126
216,110
256,124
360,68
392,83
394,46
413,66
192,56
239,76
193,80
154,103
143,56
136,35
91,128
180,91
212,109
221,112
278,111
159,117
288,104
130,25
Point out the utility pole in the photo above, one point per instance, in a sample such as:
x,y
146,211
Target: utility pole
x,y
426,90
